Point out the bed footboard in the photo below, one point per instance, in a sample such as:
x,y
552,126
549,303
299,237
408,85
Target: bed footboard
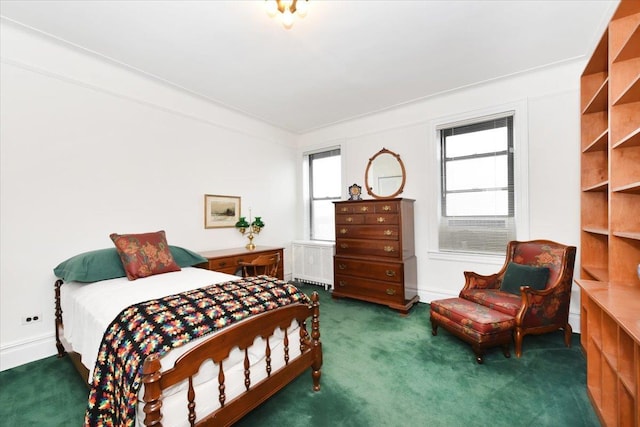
x,y
217,349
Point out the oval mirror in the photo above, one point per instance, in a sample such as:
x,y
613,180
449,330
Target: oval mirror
x,y
385,175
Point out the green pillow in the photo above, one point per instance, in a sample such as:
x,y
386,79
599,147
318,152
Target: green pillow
x,y
93,266
186,258
518,275
104,264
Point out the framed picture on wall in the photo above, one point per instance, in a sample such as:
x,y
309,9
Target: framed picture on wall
x,y
221,211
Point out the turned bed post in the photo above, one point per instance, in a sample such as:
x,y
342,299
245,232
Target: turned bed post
x,y
152,392
58,314
315,342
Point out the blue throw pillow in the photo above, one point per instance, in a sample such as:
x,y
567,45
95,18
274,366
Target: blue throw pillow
x,y
105,264
518,275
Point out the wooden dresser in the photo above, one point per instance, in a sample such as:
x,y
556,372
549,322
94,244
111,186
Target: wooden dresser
x,y
375,256
226,260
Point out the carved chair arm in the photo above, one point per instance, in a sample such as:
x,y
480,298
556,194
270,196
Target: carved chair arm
x,y
479,281
542,307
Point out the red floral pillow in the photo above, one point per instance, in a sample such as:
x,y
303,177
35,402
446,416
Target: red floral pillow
x,y
144,255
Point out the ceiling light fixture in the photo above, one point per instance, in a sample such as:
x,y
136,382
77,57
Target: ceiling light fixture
x,y
288,8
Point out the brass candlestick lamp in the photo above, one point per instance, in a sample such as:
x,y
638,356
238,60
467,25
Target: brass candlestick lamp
x,y
251,227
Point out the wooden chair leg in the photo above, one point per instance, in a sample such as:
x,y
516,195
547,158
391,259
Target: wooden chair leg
x,y
518,342
479,352
505,350
567,334
434,328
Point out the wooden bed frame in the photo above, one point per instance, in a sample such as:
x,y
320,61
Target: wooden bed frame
x,y
217,348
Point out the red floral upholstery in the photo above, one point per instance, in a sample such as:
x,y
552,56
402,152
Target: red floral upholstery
x,y
144,254
480,326
533,312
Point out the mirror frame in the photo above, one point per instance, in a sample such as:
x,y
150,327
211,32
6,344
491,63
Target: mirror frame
x,y
366,175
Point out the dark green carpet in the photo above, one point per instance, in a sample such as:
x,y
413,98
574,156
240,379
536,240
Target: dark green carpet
x,y
380,369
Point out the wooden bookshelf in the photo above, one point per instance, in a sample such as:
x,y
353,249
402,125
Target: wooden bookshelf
x,y
610,219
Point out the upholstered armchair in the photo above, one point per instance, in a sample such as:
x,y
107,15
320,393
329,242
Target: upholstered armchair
x,y
536,311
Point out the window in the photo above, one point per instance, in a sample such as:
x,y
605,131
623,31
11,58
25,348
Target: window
x,y
325,183
477,186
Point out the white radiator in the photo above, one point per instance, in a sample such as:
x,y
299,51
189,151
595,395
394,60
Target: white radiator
x,y
313,262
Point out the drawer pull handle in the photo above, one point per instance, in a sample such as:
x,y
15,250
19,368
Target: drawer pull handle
x,y
344,245
386,208
391,291
388,232
222,264
342,284
343,231
380,219
342,266
345,209
349,219
390,273
364,208
388,249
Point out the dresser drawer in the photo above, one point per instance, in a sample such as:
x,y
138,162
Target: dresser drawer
x,y
380,248
350,219
368,289
386,272
225,265
382,219
387,207
368,232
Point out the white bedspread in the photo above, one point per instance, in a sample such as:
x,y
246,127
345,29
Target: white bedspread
x,y
88,308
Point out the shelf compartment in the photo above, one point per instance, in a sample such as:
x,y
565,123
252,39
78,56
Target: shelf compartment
x,y
600,100
623,122
599,61
595,250
610,341
602,186
626,406
631,92
599,231
624,255
600,143
633,188
597,273
627,235
630,47
625,176
594,126
627,363
594,175
609,393
630,140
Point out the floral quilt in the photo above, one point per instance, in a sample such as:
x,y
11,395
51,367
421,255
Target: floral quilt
x,y
158,325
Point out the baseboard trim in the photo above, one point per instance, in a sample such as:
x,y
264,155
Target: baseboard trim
x,y
23,352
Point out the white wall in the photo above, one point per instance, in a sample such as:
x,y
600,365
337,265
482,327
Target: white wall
x,y
550,103
89,148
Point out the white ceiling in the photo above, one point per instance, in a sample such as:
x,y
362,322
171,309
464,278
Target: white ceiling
x,y
345,59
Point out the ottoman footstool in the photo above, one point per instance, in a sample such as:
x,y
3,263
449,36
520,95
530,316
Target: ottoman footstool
x,y
474,323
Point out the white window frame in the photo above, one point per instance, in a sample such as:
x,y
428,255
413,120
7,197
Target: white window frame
x,y
306,191
520,175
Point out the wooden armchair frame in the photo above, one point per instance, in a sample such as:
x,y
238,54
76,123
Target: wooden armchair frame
x,y
264,264
541,311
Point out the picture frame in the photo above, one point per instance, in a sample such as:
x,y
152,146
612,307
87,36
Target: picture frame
x,y
221,211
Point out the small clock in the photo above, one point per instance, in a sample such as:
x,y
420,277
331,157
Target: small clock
x,y
354,192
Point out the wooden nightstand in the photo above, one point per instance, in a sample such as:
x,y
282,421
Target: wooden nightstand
x,y
226,260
